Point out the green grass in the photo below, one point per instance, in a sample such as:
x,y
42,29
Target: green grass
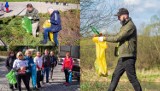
x,y
68,1
14,34
147,69
122,86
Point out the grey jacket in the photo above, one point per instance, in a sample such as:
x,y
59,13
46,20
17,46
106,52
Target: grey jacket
x,y
33,14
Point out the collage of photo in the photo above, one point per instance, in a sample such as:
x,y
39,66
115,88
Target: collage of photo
x,y
79,45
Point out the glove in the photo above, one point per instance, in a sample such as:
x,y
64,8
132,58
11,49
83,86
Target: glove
x,y
29,17
49,20
101,39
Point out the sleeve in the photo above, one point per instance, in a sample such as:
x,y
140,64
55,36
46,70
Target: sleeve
x,y
121,36
26,14
71,64
54,20
7,63
35,60
14,64
35,15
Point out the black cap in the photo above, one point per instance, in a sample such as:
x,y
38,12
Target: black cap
x,y
122,11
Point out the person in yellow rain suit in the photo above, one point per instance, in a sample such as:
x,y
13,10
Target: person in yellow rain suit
x,y
127,50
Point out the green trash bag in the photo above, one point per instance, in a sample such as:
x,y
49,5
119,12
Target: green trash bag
x,y
11,77
27,24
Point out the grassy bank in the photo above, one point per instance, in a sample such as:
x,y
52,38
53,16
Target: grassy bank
x,y
61,1
13,33
147,66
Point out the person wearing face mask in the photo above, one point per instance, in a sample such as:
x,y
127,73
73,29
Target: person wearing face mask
x,y
20,65
126,50
9,65
32,14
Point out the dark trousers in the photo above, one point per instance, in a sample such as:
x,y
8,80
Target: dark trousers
x,y
128,65
12,86
52,68
25,78
66,72
46,70
38,78
46,31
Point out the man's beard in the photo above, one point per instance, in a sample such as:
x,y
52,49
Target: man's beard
x,y
123,22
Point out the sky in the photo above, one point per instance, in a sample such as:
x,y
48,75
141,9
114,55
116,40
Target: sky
x,y
143,10
140,11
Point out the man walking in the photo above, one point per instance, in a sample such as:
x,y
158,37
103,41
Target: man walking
x,y
126,50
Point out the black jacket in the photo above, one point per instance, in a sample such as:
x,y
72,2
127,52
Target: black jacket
x,y
9,62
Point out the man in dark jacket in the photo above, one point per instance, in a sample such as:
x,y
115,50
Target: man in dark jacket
x,y
127,50
55,21
46,64
53,59
32,14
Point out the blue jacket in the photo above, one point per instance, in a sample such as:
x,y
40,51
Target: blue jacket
x,y
7,5
55,21
30,61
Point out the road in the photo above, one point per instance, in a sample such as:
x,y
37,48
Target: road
x,y
54,85
17,7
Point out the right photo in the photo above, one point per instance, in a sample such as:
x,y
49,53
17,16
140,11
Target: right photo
x,y
120,45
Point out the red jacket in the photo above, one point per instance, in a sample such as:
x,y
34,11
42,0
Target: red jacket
x,y
67,63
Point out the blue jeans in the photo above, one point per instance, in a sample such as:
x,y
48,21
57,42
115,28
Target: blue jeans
x,y
46,70
46,31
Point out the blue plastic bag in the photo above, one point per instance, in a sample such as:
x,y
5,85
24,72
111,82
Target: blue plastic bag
x,y
70,77
34,75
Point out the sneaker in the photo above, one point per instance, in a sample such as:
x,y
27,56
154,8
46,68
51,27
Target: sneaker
x,y
43,42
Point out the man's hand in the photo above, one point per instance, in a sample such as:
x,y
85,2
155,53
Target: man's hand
x,y
29,17
101,39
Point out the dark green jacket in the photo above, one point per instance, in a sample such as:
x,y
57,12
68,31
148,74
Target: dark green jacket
x,y
33,14
127,39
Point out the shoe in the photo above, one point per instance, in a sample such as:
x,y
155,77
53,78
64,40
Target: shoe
x,y
67,84
35,89
43,42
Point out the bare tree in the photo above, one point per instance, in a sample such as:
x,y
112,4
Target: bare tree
x,y
98,13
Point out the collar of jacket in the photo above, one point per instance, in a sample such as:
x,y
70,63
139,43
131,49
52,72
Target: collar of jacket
x,y
127,20
31,10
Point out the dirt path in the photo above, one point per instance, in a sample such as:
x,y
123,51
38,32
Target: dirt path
x,y
56,84
16,7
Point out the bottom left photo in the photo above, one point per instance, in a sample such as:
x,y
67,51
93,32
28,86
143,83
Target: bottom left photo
x,y
40,68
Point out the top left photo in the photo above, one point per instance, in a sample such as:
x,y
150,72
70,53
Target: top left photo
x,y
39,22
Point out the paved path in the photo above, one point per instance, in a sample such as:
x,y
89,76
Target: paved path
x,y
55,85
16,7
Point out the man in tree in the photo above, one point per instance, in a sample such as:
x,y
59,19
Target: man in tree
x,y
126,50
32,14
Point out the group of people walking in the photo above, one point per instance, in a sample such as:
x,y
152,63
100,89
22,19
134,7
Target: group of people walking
x,y
23,65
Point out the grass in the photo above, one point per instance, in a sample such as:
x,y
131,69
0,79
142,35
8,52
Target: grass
x,y
14,34
147,73
68,1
